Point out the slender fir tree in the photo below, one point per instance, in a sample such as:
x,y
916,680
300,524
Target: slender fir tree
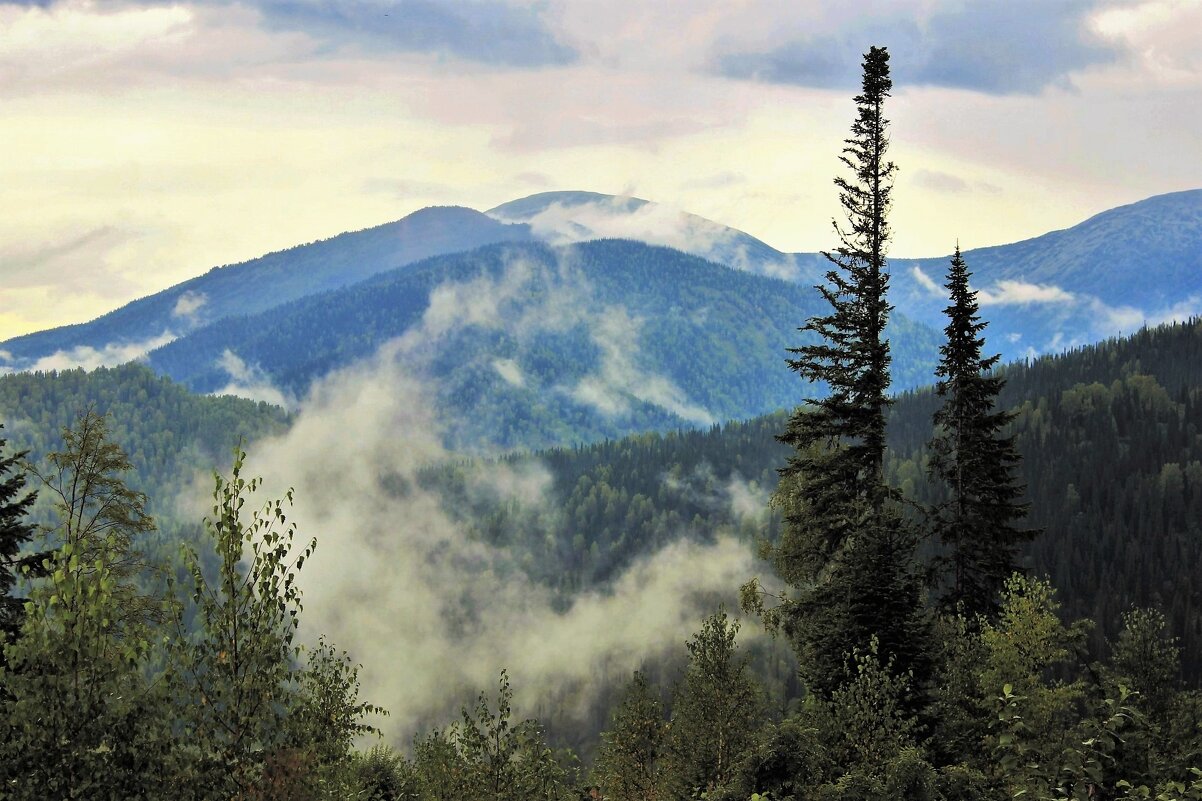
x,y
844,548
15,502
979,524
840,438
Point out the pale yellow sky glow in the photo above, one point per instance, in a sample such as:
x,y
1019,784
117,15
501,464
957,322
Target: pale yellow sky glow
x,y
146,142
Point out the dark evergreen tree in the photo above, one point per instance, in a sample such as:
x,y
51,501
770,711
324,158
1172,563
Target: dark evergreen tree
x,y
978,524
15,502
843,542
840,438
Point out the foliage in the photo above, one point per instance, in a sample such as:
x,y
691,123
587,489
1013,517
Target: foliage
x,y
96,511
715,712
840,437
235,676
80,721
629,763
486,757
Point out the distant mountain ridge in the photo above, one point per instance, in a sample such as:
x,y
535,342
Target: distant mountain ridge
x,y
268,281
1107,275
1135,264
527,344
1111,274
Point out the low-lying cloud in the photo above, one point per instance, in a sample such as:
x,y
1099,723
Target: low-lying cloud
x,y
251,382
1005,293
619,217
618,379
188,305
433,613
88,357
530,299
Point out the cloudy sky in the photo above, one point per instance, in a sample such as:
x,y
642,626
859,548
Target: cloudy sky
x,y
145,142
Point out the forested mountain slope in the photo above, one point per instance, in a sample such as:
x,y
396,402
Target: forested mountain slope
x,y
1111,438
1135,265
169,433
263,283
531,345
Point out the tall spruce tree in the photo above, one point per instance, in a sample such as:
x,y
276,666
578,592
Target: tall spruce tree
x,y
840,438
15,532
979,524
844,547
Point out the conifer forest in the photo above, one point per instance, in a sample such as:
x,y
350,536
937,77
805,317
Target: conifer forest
x,y
966,578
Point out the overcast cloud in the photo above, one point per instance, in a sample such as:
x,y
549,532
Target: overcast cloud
x,y
155,140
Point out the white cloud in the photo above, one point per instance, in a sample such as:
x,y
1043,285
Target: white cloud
x,y
80,35
188,304
564,299
109,355
618,378
1127,319
620,217
927,282
509,370
249,381
1021,293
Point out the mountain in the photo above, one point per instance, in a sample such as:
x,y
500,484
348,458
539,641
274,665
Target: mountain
x,y
526,344
1105,276
261,284
1121,269
567,217
1137,264
170,434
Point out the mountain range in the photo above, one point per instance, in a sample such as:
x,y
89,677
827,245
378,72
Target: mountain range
x,y
568,316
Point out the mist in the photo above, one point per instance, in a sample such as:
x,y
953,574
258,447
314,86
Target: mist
x,y
432,613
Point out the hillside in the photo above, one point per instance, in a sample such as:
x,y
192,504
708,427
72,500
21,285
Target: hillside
x,y
1111,437
169,433
531,345
1108,275
1129,266
1119,270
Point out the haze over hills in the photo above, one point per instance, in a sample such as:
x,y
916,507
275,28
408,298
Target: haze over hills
x,y
1121,269
534,345
1112,273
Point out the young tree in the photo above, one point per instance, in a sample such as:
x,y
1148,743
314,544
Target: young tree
x,y
99,515
81,719
235,679
262,722
15,532
715,712
629,764
487,757
978,524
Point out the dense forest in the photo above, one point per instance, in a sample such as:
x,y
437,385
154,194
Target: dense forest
x,y
930,552
1111,440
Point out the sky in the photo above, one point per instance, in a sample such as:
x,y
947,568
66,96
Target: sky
x,y
145,142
